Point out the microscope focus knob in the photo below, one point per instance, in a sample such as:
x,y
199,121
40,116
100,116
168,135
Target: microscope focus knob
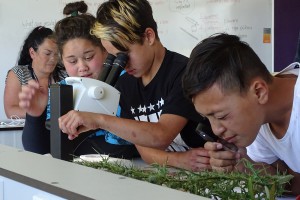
x,y
96,92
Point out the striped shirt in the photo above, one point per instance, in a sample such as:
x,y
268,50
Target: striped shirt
x,y
23,73
26,73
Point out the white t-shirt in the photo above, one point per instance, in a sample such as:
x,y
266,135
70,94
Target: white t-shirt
x,y
267,148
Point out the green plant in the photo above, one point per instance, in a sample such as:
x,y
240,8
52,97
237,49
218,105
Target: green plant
x,y
211,184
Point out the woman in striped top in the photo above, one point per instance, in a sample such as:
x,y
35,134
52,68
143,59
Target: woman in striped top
x,y
39,61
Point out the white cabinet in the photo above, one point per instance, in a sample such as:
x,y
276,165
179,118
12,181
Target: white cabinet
x,y
10,189
11,137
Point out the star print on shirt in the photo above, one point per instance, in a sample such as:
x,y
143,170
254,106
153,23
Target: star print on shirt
x,y
140,108
162,102
144,109
151,107
149,112
158,105
132,110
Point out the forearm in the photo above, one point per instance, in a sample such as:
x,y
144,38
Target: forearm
x,y
150,134
269,169
11,100
264,168
153,156
275,168
293,186
15,111
161,157
193,159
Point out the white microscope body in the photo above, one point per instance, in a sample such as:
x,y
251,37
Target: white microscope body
x,y
92,95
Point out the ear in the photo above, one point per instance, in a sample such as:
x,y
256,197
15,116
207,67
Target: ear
x,y
149,36
260,89
32,52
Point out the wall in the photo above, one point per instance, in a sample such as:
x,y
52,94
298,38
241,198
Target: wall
x,y
181,24
17,19
286,32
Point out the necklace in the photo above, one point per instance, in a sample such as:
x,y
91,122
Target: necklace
x,y
33,75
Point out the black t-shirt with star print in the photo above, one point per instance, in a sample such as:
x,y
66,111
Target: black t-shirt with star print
x,y
163,95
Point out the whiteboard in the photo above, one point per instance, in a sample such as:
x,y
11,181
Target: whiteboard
x,y
181,24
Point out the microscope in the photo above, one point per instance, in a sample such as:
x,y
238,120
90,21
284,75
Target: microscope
x,y
84,94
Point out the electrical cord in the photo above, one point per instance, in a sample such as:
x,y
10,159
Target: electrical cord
x,y
13,121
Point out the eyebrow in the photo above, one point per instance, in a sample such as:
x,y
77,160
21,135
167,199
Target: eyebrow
x,y
89,51
47,50
210,114
71,56
202,115
50,51
85,52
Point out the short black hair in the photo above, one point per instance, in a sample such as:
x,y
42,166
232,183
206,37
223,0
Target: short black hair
x,y
223,59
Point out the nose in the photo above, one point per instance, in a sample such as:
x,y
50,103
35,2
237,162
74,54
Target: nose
x,y
217,127
82,66
53,57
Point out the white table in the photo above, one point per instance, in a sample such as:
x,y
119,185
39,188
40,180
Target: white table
x,y
36,176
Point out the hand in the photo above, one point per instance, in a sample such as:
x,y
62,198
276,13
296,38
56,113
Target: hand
x,y
220,159
74,122
196,159
33,98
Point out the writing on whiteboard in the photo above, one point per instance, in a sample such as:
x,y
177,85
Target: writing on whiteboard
x,y
30,23
182,6
223,1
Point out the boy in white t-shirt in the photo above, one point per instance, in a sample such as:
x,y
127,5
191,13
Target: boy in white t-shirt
x,y
246,105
